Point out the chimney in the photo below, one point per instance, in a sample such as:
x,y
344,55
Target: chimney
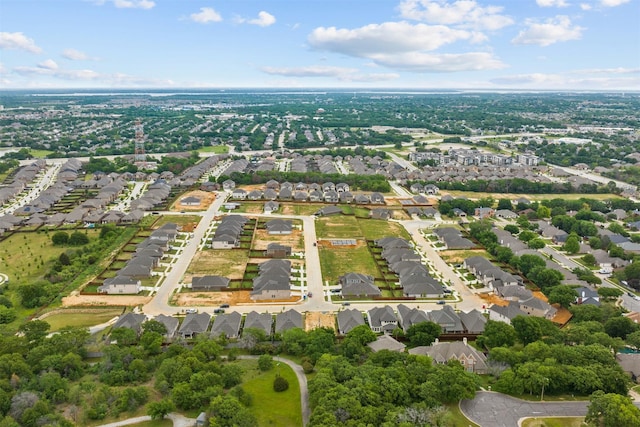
x,y
464,340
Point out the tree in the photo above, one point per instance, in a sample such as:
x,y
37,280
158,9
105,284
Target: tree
x,y
512,228
563,295
619,327
160,409
609,293
611,410
505,204
60,238
423,333
497,334
589,260
64,259
543,212
280,384
35,330
572,244
536,243
124,336
633,339
265,362
527,262
78,238
595,242
228,412
154,326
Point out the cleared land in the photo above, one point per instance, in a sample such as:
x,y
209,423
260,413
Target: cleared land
x,y
206,198
314,320
336,261
534,197
210,298
227,263
80,318
261,239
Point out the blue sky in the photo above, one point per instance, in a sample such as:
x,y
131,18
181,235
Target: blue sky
x,y
421,44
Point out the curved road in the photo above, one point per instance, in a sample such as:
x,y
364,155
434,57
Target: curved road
x,y
491,409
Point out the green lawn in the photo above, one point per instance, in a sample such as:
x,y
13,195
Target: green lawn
x,y
338,227
336,262
177,219
61,320
39,154
271,408
376,229
457,418
155,423
217,149
554,422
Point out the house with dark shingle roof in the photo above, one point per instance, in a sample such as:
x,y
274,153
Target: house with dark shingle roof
x,y
194,324
132,321
209,283
382,319
410,316
442,352
448,319
120,285
262,321
359,285
505,313
288,320
170,323
227,324
349,319
279,226
473,321
386,342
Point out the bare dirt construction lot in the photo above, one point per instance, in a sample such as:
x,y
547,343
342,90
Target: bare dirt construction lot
x,y
261,239
493,299
227,263
189,299
206,198
75,299
314,320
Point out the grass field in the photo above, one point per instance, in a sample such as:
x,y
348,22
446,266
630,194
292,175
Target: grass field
x,y
155,423
217,149
81,320
39,154
376,229
457,418
230,264
533,197
336,262
554,422
177,219
271,408
338,227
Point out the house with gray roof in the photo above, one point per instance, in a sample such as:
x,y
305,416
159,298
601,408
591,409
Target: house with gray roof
x,y
194,324
262,321
209,283
131,321
473,321
329,210
420,286
442,352
410,316
288,320
505,313
386,342
358,285
227,325
279,227
537,307
120,285
448,320
382,319
349,319
587,296
170,323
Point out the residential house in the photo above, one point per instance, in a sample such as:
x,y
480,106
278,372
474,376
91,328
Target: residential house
x,y
227,325
170,323
537,307
279,226
384,214
329,210
587,296
194,324
271,206
358,285
382,319
120,285
288,320
505,313
349,319
506,214
239,194
484,213
209,283
229,185
410,316
131,321
261,321
448,320
442,352
386,342
473,321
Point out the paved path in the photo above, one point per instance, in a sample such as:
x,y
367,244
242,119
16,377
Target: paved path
x,y
178,421
490,409
302,381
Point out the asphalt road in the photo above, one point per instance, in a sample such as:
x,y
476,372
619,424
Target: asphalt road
x,y
490,409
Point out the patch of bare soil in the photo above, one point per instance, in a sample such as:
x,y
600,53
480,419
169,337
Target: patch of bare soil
x,y
493,299
211,298
104,300
319,320
261,238
206,198
327,243
231,264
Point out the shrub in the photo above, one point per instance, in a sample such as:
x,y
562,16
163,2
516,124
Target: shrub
x,y
265,362
280,384
307,367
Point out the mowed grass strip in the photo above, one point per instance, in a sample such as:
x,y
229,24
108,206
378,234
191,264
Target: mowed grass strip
x,y
554,422
272,408
338,261
80,320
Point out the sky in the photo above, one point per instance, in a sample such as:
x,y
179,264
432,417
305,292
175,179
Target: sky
x,y
408,44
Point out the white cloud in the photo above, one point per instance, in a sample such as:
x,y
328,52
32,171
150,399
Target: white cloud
x,y
340,73
48,64
388,37
597,79
75,55
439,63
134,4
264,19
18,41
206,15
552,3
585,6
552,30
613,3
466,13
404,46
618,70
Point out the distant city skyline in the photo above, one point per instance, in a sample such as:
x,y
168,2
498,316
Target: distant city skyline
x,y
420,44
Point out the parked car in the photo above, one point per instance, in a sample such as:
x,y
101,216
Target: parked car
x,y
224,305
218,311
441,302
191,310
346,303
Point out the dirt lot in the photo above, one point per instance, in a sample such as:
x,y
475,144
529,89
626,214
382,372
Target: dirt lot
x,y
493,299
187,299
316,320
458,257
261,239
206,198
231,264
104,300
